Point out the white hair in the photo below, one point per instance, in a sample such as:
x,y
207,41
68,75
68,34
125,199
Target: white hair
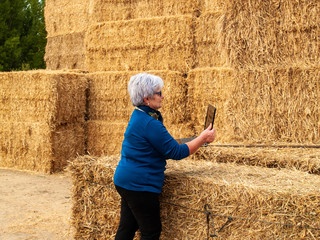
x,y
143,85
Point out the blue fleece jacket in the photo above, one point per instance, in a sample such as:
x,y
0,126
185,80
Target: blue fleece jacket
x,y
145,148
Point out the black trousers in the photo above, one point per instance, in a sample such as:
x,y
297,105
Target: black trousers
x,y
139,210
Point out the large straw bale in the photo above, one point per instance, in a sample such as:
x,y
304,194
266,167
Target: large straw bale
x,y
110,10
38,146
258,200
26,145
43,96
272,32
162,43
281,156
108,98
42,119
64,17
259,105
276,104
66,51
68,142
92,214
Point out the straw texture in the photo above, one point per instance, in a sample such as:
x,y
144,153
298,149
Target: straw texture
x,y
65,51
163,43
258,105
302,159
258,33
42,119
104,11
65,17
251,193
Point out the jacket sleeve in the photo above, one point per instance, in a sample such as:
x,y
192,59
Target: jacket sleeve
x,y
164,143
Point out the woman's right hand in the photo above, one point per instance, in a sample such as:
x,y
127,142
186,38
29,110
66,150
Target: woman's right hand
x,y
209,134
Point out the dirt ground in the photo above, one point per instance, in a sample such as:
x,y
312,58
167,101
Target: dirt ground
x,y
35,206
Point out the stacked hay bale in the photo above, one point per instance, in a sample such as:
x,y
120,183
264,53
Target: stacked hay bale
x,y
42,119
158,41
260,202
66,24
273,50
256,61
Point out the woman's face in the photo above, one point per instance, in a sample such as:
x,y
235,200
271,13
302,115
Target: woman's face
x,y
155,101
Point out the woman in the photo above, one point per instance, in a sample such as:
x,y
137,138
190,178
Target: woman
x,y
146,146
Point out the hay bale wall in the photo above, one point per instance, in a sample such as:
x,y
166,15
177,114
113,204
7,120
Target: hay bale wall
x,y
277,105
42,119
249,37
256,61
259,200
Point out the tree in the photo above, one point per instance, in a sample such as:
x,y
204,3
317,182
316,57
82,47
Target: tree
x,y
22,35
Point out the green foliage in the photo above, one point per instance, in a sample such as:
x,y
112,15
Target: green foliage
x,y
22,35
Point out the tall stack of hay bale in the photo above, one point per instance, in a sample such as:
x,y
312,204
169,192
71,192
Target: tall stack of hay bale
x,y
41,119
256,61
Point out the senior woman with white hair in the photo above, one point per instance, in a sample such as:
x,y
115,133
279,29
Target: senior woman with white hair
x,y
146,146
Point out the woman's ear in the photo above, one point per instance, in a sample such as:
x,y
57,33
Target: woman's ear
x,y
146,100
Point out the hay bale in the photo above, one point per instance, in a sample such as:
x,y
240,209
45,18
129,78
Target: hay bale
x,y
40,147
42,119
66,51
110,10
162,43
92,216
108,97
258,33
65,17
278,104
302,159
259,105
258,200
26,146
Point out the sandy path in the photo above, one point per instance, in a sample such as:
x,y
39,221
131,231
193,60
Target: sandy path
x,y
34,206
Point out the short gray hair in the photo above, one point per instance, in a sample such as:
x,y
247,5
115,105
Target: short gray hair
x,y
143,85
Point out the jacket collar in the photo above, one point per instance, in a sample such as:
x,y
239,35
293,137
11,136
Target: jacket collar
x,y
150,111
